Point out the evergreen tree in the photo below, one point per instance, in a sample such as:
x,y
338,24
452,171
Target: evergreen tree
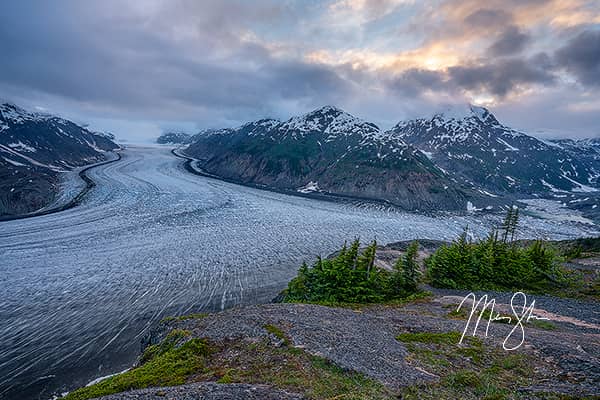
x,y
506,224
350,277
396,283
494,263
514,223
410,268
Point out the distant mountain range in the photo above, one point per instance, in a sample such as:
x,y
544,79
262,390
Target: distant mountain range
x,y
462,157
174,138
475,147
329,151
34,150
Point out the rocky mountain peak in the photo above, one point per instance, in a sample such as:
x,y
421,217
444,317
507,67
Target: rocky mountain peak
x,y
455,124
17,115
263,124
470,142
329,120
12,114
465,112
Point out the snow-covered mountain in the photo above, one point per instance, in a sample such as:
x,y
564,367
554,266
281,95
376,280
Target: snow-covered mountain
x,y
174,138
331,151
34,149
470,143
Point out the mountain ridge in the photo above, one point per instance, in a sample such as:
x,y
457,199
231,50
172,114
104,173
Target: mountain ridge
x,y
174,138
481,151
332,151
35,149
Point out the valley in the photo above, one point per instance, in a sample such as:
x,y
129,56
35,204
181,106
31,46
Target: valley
x,y
255,200
84,286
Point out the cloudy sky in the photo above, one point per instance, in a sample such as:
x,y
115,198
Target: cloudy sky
x,y
140,67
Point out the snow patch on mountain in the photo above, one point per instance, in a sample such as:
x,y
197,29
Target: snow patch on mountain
x,y
461,112
18,115
310,187
20,146
331,121
579,187
13,162
31,160
508,146
471,143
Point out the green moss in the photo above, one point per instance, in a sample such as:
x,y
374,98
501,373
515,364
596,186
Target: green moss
x,y
541,324
422,296
510,362
226,378
166,364
291,369
463,378
472,353
467,371
278,333
429,356
458,314
167,344
452,337
178,359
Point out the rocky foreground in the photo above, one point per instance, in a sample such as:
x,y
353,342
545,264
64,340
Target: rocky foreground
x,y
293,351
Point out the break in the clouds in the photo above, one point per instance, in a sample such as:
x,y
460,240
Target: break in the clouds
x,y
142,66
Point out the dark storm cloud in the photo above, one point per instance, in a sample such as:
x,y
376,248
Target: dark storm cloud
x,y
309,80
485,18
500,77
81,52
511,41
581,56
414,81
220,86
223,62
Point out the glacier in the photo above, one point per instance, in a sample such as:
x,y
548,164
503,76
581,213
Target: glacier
x,y
81,288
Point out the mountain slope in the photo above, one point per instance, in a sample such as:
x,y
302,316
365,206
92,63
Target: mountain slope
x,y
34,150
586,151
331,151
475,147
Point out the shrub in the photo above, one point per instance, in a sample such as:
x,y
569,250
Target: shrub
x,y
497,262
352,277
405,278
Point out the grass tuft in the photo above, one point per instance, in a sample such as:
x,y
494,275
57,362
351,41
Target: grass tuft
x,y
166,364
277,332
467,371
541,324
